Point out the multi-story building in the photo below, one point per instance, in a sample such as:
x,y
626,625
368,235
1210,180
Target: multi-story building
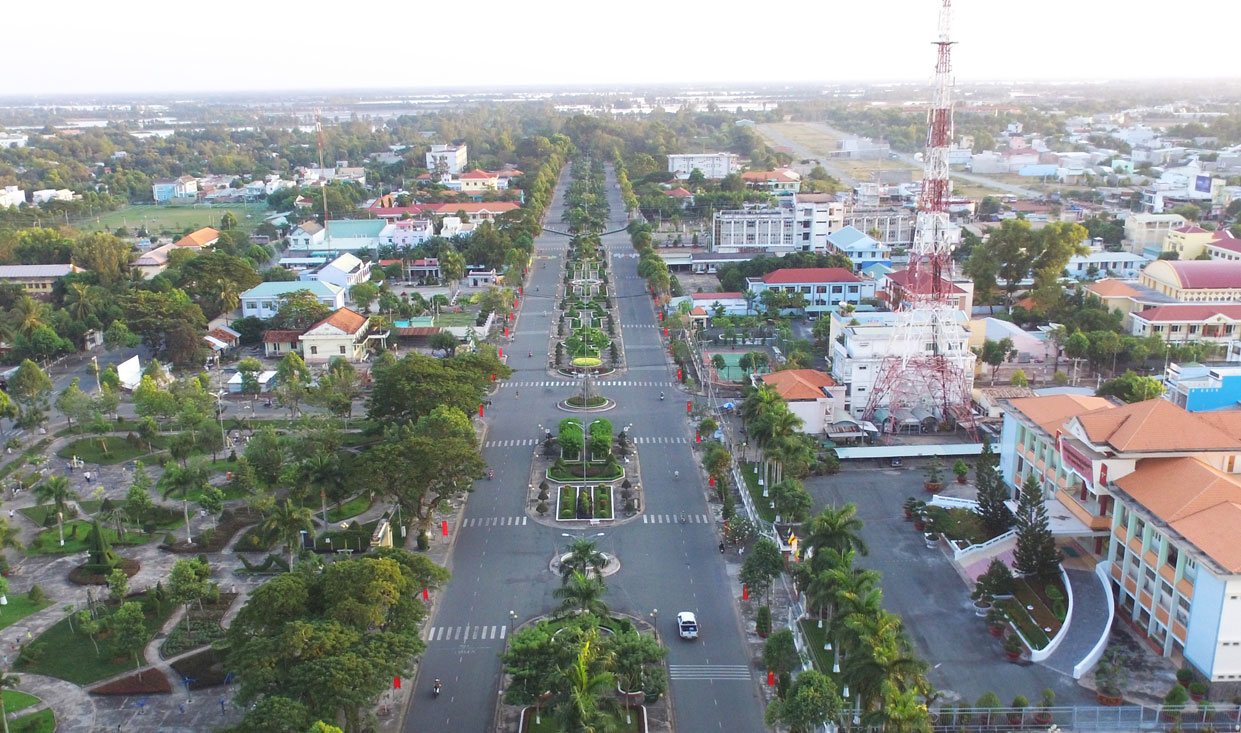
x,y
1155,490
1189,322
1200,388
42,196
824,288
13,140
1196,281
344,272
895,226
862,345
711,165
407,233
1103,263
478,181
895,288
450,159
167,189
799,223
38,280
1143,231
12,196
341,335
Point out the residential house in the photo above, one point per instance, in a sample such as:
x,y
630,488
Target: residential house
x,y
153,261
12,196
478,181
307,236
199,240
476,211
479,277
712,165
1102,262
344,272
780,180
342,334
680,194
277,343
13,140
168,189
859,247
406,233
898,287
824,288
266,381
733,303
450,159
264,299
221,339
37,280
810,395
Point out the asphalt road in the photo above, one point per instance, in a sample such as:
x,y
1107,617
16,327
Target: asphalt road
x,y
500,564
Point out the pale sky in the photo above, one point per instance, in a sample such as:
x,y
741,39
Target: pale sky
x,y
82,46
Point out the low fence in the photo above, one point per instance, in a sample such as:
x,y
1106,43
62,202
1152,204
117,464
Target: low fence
x,y
1085,718
909,451
1047,651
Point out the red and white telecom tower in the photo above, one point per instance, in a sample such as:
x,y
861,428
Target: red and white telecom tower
x,y
929,366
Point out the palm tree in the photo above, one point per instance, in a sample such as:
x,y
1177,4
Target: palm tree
x,y
836,529
322,472
750,296
286,523
227,296
57,491
79,301
583,557
581,594
581,707
901,713
28,314
838,576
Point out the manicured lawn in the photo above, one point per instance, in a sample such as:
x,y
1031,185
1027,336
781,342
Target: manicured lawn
x,y
351,508
19,607
15,700
157,218
815,638
69,655
47,542
1031,610
105,450
43,721
457,320
547,723
959,524
751,473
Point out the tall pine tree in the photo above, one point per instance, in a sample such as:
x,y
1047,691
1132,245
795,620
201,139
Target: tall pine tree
x,y
992,493
1036,554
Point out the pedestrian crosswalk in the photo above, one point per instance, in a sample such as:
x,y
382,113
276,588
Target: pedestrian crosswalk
x,y
516,443
709,672
675,519
494,522
640,325
465,633
659,440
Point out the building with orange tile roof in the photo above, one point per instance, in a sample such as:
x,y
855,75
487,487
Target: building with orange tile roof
x,y
201,239
1157,493
810,395
342,334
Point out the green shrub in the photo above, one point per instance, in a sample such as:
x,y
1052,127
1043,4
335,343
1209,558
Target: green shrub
x,y
762,620
36,594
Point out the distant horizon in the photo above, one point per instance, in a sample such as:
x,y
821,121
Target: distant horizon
x,y
150,47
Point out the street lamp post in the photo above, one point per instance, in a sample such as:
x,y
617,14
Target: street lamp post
x,y
655,622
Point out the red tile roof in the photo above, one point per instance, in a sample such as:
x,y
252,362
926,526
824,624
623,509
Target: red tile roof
x,y
1189,229
768,176
800,384
678,193
807,275
222,335
1189,312
469,207
901,278
478,173
344,319
281,337
718,296
200,238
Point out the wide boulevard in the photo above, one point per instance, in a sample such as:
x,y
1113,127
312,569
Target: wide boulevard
x,y
500,559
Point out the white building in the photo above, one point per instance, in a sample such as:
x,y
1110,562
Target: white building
x,y
307,236
799,223
1144,231
811,395
713,165
12,196
264,299
408,233
860,248
342,235
895,226
450,159
857,358
823,288
344,272
42,196
13,140
1106,264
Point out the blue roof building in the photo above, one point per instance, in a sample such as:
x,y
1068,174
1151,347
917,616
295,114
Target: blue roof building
x,y
859,247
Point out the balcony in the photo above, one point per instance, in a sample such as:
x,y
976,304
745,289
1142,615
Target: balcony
x,y
1084,512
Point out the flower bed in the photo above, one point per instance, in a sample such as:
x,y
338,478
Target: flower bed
x,y
150,682
1033,621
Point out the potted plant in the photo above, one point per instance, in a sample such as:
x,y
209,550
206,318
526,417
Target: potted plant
x,y
1017,713
934,475
1184,676
985,704
982,601
1197,690
912,507
961,470
1042,716
997,621
930,533
1013,647
1110,677
1174,702
920,521
762,622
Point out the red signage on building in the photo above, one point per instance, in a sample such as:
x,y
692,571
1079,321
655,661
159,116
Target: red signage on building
x,y
1079,462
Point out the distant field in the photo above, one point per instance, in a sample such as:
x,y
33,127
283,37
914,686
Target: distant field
x,y
822,144
157,219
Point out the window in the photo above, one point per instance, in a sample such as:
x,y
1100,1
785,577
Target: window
x,y
1148,582
314,349
1173,555
1182,610
1191,570
342,348
250,304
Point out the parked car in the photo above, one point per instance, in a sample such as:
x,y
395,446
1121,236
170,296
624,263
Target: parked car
x,y
687,625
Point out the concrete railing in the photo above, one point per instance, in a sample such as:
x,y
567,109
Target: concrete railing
x,y
990,548
1045,652
1079,669
952,502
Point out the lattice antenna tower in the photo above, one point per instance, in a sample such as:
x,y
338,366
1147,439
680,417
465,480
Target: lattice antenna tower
x,y
911,376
